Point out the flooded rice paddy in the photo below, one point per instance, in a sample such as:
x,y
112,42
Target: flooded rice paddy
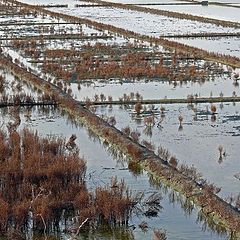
x,y
90,62
175,212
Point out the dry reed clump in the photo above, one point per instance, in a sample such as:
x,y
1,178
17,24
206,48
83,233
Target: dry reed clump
x,y
159,234
126,131
41,179
135,167
131,65
2,83
38,176
26,99
113,203
133,152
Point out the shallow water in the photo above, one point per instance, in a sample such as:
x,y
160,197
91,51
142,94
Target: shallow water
x,y
103,165
156,25
197,143
13,87
222,45
211,11
155,89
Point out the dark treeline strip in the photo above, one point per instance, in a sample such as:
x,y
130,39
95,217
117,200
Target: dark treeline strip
x,y
159,4
54,37
53,5
34,23
138,4
24,104
167,101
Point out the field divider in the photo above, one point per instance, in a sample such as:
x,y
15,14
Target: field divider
x,y
55,37
27,104
165,101
35,23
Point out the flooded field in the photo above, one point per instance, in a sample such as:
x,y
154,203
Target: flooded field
x,y
174,210
188,7
196,143
154,89
211,11
229,46
161,26
82,156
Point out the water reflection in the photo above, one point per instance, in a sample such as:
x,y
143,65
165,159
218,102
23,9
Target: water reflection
x,y
210,223
207,221
104,232
136,182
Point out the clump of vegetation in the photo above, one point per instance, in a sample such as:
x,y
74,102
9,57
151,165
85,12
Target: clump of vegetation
x,y
148,145
135,167
138,108
2,83
173,161
220,149
41,179
180,119
159,234
126,131
213,109
163,153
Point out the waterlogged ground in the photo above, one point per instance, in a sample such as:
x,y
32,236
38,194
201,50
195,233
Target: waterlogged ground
x,y
144,23
197,142
177,217
222,45
155,89
157,25
211,11
13,87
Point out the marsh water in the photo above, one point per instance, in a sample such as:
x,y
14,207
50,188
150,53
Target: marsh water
x,y
156,89
176,215
196,143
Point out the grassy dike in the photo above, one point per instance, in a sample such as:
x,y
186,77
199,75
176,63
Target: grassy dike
x,y
214,207
166,101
